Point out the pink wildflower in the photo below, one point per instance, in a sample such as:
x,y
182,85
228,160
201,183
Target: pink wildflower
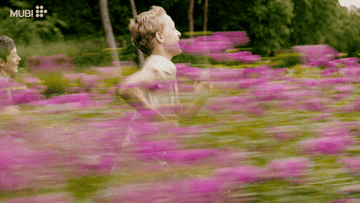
x,y
352,164
326,145
242,174
289,168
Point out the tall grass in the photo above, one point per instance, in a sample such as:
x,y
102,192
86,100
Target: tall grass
x,y
87,53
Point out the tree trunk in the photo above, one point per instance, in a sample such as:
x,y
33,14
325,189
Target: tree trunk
x,y
321,41
139,52
191,18
109,35
206,15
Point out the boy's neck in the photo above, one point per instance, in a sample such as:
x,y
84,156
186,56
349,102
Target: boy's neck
x,y
3,73
163,53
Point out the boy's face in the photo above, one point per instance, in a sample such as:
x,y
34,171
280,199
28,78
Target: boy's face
x,y
170,36
12,61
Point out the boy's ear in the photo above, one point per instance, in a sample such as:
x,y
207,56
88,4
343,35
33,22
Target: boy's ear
x,y
159,37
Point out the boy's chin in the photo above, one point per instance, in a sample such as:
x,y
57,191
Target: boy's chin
x,y
177,51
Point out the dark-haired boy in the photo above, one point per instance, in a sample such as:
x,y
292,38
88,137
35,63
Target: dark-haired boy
x,y
9,61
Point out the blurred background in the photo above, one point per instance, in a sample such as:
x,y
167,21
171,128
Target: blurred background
x,y
75,28
281,124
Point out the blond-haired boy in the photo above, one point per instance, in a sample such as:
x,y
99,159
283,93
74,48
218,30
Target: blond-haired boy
x,y
154,33
153,89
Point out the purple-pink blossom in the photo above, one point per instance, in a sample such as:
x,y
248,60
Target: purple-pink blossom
x,y
81,98
335,131
199,190
351,61
257,72
315,52
103,164
329,71
344,88
352,164
30,80
245,83
268,91
333,81
236,37
289,168
89,81
192,156
346,200
355,106
25,96
284,132
74,77
154,149
106,71
63,198
326,145
242,174
314,104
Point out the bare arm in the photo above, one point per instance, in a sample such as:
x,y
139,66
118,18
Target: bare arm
x,y
135,97
201,89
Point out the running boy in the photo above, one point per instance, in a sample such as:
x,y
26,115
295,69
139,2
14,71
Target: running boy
x,y
154,33
9,61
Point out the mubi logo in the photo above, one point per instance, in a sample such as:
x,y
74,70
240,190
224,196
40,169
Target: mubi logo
x,y
29,13
41,11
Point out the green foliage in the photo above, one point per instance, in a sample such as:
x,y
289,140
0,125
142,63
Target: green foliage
x,y
86,186
186,58
26,30
200,33
344,32
312,20
91,53
239,66
270,25
128,70
112,81
20,4
286,60
269,29
54,81
41,49
128,53
87,53
197,120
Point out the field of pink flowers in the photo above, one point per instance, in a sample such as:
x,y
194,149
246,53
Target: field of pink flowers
x,y
264,135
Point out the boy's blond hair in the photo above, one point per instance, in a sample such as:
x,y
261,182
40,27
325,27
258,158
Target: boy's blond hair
x,y
144,27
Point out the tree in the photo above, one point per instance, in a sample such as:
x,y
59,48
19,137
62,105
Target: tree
x,y
269,25
312,19
206,14
109,35
191,18
344,32
139,52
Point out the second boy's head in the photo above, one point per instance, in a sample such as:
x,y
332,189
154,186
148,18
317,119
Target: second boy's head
x,y
9,59
154,31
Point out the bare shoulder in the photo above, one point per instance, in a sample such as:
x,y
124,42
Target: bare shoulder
x,y
143,75
139,79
